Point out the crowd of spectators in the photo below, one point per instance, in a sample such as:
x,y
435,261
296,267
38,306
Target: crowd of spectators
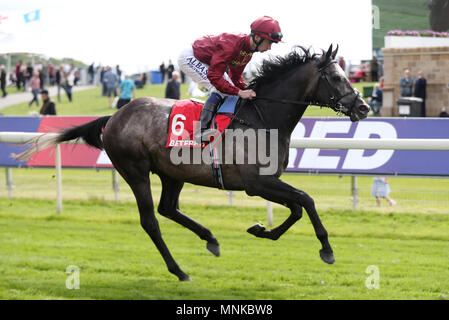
x,y
408,88
36,78
47,73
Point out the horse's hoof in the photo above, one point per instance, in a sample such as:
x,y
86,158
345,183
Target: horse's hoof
x,y
327,256
213,248
256,229
185,278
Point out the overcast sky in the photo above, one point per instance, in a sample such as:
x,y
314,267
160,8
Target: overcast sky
x,y
139,35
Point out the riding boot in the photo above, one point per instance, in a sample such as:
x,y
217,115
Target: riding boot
x,y
208,112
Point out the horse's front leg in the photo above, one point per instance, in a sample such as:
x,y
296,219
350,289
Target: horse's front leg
x,y
275,190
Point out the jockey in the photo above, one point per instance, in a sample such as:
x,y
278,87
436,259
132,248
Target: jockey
x,y
217,64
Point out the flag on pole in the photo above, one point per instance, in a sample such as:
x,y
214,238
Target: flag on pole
x,y
32,16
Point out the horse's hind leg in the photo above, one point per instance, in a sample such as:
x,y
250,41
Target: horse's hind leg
x,y
137,176
169,207
275,190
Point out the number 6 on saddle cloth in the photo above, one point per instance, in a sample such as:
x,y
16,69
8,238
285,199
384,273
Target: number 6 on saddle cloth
x,y
181,129
186,112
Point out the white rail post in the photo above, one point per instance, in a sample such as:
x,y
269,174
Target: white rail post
x,y
270,213
231,198
58,179
354,192
115,184
9,183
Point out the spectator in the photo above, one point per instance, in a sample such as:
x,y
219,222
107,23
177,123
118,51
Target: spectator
x,y
35,84
183,77
43,73
162,71
12,78
48,107
170,69
39,68
110,80
374,69
140,83
52,74
381,189
19,79
118,72
406,84
103,84
97,76
421,91
375,100
126,92
59,78
3,80
69,80
77,75
173,90
382,82
28,73
443,113
91,72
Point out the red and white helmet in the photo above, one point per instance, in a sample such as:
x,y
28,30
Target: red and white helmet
x,y
267,28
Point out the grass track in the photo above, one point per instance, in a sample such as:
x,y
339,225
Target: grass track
x,y
117,260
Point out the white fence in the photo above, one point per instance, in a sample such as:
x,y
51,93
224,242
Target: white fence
x,y
315,143
371,144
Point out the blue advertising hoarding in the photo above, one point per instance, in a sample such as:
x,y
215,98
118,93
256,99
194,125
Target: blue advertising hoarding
x,y
386,162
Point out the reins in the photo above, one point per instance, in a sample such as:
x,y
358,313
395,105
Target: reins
x,y
334,104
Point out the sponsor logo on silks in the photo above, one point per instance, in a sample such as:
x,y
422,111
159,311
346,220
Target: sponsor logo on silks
x,y
246,58
244,53
185,143
198,67
32,16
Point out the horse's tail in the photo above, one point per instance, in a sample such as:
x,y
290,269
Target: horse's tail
x,y
89,132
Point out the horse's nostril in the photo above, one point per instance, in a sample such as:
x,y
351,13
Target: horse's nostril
x,y
364,108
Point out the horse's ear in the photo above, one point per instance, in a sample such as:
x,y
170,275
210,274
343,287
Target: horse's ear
x,y
329,52
334,53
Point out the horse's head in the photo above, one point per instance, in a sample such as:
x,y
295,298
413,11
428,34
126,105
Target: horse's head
x,y
334,89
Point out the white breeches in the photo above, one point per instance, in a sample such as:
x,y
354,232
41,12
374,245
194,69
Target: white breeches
x,y
197,71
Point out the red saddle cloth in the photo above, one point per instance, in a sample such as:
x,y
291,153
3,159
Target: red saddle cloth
x,y
183,116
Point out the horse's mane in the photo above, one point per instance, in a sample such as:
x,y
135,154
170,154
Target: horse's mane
x,y
273,69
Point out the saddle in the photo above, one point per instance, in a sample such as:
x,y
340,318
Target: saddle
x,y
186,113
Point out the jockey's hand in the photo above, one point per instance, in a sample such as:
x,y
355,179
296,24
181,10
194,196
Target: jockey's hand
x,y
247,94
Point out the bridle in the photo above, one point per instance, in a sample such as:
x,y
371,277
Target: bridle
x,y
335,99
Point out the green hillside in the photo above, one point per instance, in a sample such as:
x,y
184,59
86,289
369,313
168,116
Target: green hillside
x,y
400,15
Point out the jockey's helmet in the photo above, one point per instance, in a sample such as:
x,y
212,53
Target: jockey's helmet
x,y
267,28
